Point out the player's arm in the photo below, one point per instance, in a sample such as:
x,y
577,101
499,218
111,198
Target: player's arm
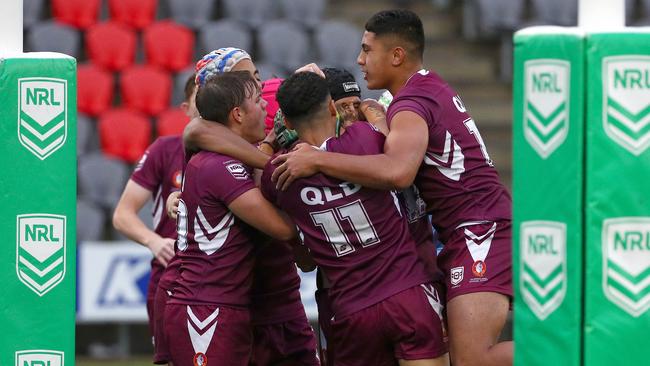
x,y
374,113
396,168
256,211
126,221
211,136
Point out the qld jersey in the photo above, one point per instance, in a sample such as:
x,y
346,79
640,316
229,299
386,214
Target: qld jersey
x,y
457,179
160,171
357,235
215,248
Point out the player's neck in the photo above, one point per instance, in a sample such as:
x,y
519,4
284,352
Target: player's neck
x,y
318,132
403,76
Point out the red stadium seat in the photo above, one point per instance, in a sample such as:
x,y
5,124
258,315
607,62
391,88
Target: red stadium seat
x,y
171,122
169,45
78,13
135,13
146,88
95,89
124,134
111,45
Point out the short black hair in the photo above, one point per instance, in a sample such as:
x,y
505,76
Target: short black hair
x,y
223,92
189,87
301,96
402,23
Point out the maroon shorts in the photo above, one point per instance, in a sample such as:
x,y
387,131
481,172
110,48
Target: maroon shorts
x,y
160,348
152,286
478,258
325,314
407,326
287,343
208,335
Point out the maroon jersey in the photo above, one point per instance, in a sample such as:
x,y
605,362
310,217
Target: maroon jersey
x,y
457,179
159,171
357,235
276,285
214,246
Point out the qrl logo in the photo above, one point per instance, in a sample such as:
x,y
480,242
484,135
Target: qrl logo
x,y
626,263
39,358
546,104
40,251
543,265
42,115
626,101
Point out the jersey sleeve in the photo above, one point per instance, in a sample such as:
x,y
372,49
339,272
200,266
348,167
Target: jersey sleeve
x,y
406,104
229,180
148,172
266,185
361,138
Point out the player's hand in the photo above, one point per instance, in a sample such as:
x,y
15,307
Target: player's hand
x,y
371,111
162,249
298,163
303,259
312,67
171,205
270,141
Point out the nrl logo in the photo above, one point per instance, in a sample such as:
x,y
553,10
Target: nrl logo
x,y
42,115
39,358
546,104
626,101
543,266
40,251
626,263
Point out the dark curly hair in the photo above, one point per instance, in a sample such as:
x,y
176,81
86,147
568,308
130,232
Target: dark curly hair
x,y
404,24
223,92
302,96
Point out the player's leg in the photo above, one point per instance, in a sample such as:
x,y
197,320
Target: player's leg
x,y
475,322
440,361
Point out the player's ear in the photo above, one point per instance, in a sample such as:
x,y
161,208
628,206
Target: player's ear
x,y
185,107
332,108
399,56
236,115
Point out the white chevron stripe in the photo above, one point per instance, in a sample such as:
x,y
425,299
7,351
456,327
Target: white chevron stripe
x,y
455,160
635,308
42,151
36,270
38,134
638,145
41,289
545,146
634,126
209,246
202,324
543,291
479,251
627,284
434,300
201,342
541,310
545,130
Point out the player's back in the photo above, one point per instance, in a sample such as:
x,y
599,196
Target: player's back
x,y
214,246
357,235
457,179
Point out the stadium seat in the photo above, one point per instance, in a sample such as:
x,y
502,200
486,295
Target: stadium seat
x,y
191,13
168,45
85,129
135,13
555,12
111,45
253,13
124,134
309,13
95,89
224,33
78,13
145,88
54,37
178,94
171,122
497,16
32,12
91,220
644,9
145,214
338,44
284,44
102,179
271,71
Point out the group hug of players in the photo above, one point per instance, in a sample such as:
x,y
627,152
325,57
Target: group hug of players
x,y
344,186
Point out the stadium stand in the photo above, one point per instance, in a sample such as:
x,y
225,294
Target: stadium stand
x,y
145,88
253,13
90,221
85,130
168,45
346,38
192,13
101,179
95,89
171,122
32,12
178,94
284,45
224,33
124,134
111,45
137,14
55,37
308,13
78,13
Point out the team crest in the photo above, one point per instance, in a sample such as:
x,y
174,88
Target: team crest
x,y
200,359
39,358
542,270
479,268
237,170
626,101
546,104
42,115
40,251
456,275
626,263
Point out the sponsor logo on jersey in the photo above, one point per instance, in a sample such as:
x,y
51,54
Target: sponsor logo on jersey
x,y
40,251
479,268
200,359
626,101
237,170
456,275
626,263
546,104
177,179
42,115
543,265
39,358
